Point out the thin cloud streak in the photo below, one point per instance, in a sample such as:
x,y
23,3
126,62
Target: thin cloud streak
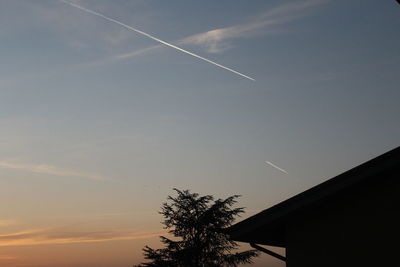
x,y
119,57
217,40
49,170
5,223
7,257
60,236
156,39
276,167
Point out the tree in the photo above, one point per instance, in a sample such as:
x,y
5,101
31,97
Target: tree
x,y
197,222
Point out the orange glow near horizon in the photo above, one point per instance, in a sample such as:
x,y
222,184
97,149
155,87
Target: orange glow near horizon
x,y
51,236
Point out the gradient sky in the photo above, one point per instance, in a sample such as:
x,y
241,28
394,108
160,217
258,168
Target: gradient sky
x,y
99,123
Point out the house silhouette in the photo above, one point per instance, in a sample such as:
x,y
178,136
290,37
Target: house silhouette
x,y
352,219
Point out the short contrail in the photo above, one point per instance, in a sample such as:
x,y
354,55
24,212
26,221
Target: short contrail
x,y
276,167
154,38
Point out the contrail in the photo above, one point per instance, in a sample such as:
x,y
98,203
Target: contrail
x,y
276,167
154,38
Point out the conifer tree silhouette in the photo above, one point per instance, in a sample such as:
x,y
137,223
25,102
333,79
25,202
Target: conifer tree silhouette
x,y
197,222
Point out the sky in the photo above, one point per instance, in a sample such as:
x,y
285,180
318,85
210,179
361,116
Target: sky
x,y
99,122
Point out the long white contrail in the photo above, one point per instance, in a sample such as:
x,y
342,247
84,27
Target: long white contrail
x,y
276,167
154,38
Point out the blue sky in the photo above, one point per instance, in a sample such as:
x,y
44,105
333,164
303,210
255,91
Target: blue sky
x,y
96,119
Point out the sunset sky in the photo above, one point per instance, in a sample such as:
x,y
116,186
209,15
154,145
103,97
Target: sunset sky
x,y
99,123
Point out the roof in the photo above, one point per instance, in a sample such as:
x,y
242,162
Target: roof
x,y
268,226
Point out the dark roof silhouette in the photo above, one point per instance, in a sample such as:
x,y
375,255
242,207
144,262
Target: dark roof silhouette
x,y
268,226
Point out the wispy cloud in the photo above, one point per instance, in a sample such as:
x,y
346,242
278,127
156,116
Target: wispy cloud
x,y
218,40
5,223
48,169
89,11
119,57
62,236
7,257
